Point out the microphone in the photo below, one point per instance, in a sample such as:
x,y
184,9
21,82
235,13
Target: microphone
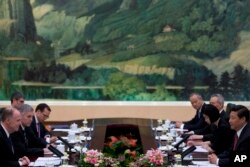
x,y
65,142
55,151
187,151
70,146
181,141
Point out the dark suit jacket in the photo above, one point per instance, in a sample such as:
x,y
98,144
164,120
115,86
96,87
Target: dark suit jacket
x,y
222,136
43,130
206,131
243,145
33,147
224,115
7,157
197,122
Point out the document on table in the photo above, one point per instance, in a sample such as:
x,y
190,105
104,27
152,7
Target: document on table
x,y
200,149
42,161
202,163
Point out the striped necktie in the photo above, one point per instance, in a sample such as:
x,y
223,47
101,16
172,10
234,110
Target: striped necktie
x,y
25,138
38,129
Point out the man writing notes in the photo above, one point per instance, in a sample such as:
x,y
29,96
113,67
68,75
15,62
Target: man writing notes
x,y
24,140
42,113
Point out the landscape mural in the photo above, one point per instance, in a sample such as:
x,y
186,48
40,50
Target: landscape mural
x,y
135,50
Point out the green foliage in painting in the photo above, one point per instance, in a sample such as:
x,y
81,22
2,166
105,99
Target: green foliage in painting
x,y
123,87
119,49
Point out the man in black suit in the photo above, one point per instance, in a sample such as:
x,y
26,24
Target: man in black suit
x,y
205,133
24,140
42,113
197,122
10,122
239,121
221,134
217,100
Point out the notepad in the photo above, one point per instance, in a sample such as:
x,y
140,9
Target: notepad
x,y
41,161
204,163
200,149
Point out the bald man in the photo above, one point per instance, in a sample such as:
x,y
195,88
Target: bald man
x,y
10,122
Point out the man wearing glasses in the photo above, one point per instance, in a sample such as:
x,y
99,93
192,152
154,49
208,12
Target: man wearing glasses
x,y
42,113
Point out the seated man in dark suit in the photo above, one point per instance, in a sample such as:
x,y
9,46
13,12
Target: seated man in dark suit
x,y
197,122
239,121
10,122
217,100
24,140
205,134
42,113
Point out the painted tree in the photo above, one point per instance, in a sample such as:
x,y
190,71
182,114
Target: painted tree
x,y
123,87
240,81
225,85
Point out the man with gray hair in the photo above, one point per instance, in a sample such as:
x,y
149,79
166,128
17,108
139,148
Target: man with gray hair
x,y
204,134
217,100
197,122
24,140
10,122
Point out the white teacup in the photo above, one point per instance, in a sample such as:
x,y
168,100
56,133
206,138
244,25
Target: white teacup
x,y
167,122
173,132
74,126
77,147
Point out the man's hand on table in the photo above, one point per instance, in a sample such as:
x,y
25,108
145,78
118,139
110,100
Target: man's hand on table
x,y
24,161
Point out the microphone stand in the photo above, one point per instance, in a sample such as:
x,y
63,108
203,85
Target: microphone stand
x,y
70,146
184,139
55,151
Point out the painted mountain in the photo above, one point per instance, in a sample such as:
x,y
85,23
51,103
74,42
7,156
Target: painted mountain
x,y
124,49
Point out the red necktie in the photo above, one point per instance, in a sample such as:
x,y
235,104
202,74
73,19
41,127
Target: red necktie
x,y
236,138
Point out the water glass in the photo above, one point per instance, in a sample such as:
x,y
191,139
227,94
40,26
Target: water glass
x,y
71,136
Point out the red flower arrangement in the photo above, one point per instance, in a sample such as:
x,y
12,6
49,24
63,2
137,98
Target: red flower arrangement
x,y
122,151
122,146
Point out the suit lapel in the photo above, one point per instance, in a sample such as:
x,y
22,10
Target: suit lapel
x,y
243,135
7,140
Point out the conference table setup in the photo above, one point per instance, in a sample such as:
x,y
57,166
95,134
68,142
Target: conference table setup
x,y
72,140
77,138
